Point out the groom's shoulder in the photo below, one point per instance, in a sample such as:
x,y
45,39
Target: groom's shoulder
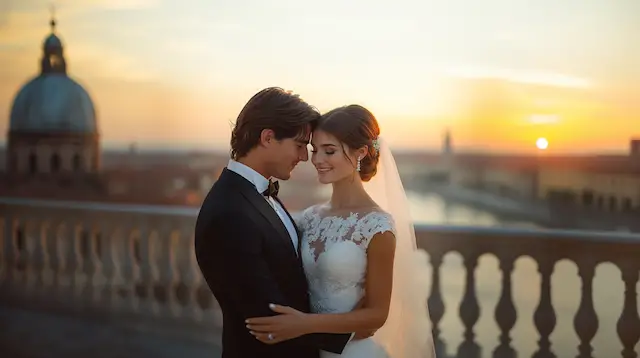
x,y
220,191
220,203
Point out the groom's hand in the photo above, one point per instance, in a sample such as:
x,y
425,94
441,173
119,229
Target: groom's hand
x,y
364,334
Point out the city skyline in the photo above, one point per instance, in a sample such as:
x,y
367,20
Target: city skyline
x,y
500,75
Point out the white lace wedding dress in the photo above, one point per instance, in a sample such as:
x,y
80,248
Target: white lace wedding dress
x,y
334,254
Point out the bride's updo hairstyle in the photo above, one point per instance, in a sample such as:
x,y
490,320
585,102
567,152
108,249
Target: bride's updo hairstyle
x,y
354,126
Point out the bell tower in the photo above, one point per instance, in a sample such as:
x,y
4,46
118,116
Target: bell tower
x,y
53,60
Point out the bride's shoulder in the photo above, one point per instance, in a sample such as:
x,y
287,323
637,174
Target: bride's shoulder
x,y
379,220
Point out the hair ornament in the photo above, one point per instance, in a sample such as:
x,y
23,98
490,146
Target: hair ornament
x,y
376,145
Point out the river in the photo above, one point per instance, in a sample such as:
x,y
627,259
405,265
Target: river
x,y
429,208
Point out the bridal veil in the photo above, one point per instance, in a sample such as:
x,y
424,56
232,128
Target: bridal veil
x,y
407,332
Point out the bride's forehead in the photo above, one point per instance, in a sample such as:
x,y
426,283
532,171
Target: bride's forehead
x,y
321,137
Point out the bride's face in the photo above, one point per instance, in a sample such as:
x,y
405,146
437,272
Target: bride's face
x,y
333,160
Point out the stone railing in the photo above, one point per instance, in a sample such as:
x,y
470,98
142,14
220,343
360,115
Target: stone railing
x,y
121,262
136,263
587,250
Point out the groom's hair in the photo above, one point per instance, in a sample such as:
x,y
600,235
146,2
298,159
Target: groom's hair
x,y
272,108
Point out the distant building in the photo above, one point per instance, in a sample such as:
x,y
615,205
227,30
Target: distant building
x,y
447,146
608,183
599,182
53,129
635,149
54,148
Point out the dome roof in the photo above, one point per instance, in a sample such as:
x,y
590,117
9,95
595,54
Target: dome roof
x,y
52,41
53,103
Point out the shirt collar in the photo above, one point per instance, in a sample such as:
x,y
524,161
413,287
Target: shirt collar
x,y
261,183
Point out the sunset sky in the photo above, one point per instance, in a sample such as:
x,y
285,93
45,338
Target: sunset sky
x,y
498,73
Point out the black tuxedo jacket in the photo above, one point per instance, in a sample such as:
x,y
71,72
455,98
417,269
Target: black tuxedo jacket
x,y
248,260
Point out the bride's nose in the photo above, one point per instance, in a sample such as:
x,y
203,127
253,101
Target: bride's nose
x,y
315,159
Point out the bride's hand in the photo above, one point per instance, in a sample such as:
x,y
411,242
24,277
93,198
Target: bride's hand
x,y
289,324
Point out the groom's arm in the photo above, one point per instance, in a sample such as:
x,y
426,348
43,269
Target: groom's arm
x,y
236,261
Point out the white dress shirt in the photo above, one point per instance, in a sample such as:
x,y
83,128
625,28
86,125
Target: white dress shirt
x,y
261,183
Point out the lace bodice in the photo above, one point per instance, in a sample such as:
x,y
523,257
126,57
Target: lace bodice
x,y
334,254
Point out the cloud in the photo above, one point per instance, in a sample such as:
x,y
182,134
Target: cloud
x,y
521,76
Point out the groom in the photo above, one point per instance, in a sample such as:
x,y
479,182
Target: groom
x,y
246,243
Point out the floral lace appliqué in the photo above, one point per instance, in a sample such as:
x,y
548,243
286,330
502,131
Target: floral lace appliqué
x,y
334,254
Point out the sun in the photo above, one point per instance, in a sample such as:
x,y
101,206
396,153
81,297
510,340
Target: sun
x,y
542,143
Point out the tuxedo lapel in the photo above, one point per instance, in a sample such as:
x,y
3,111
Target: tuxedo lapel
x,y
258,201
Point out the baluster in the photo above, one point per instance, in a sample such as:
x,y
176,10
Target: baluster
x,y
62,260
132,273
469,310
158,240
628,326
97,278
48,259
118,267
545,317
83,257
190,275
42,256
193,280
586,321
436,304
167,276
10,252
16,253
147,274
107,261
3,243
505,313
105,254
29,257
92,267
75,261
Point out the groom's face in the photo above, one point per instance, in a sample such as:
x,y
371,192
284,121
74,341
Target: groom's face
x,y
286,153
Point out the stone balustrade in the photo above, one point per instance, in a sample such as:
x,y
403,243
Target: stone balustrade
x,y
136,263
587,250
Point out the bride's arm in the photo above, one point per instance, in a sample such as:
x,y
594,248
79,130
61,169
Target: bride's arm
x,y
379,280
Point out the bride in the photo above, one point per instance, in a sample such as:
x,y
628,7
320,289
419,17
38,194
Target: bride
x,y
359,251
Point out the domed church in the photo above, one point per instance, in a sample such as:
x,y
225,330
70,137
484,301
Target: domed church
x,y
53,130
54,151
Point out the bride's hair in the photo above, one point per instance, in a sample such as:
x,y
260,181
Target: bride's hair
x,y
355,127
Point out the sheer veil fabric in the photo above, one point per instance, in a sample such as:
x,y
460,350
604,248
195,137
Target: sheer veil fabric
x,y
407,332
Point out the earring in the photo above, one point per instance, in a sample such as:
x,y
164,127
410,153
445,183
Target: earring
x,y
358,166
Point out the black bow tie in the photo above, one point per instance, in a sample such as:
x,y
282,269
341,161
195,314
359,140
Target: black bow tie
x,y
272,189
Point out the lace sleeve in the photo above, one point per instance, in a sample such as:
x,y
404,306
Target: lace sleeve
x,y
375,223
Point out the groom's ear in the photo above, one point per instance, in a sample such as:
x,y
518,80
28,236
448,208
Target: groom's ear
x,y
267,136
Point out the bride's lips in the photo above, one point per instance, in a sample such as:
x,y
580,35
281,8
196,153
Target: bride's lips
x,y
323,170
